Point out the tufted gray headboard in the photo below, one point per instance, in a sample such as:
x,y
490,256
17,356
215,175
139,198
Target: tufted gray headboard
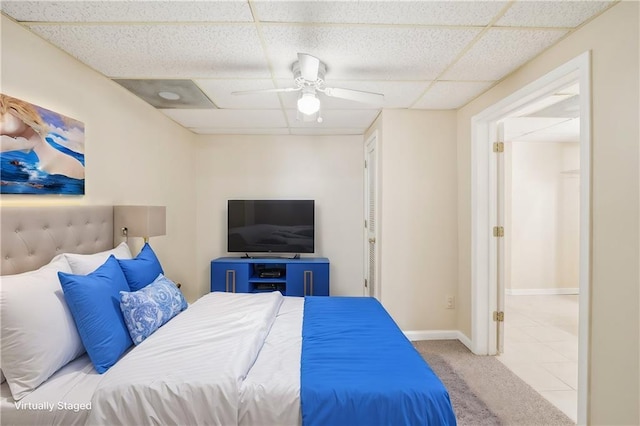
x,y
31,236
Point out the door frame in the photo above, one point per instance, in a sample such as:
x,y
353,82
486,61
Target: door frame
x,y
484,248
372,139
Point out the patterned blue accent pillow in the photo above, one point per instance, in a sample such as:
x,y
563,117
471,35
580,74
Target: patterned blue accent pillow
x,y
147,309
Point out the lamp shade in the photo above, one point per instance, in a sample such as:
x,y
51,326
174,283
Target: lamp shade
x,y
142,221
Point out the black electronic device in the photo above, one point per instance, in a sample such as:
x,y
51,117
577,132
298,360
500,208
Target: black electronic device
x,y
270,270
271,273
271,226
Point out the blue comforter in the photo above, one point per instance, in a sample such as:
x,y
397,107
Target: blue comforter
x,y
358,368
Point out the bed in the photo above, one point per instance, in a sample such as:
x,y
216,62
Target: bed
x,y
228,359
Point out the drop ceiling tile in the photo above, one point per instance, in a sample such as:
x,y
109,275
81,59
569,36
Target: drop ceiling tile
x,y
334,118
397,94
128,11
220,92
239,131
227,118
326,131
386,12
501,51
367,53
451,94
163,50
551,13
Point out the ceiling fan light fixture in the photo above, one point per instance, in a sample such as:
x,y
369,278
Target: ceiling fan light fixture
x,y
308,103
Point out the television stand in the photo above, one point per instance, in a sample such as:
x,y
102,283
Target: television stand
x,y
307,276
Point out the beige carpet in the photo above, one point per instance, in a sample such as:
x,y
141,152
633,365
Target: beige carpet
x,y
485,392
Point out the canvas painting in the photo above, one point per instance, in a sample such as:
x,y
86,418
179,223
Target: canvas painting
x,y
42,152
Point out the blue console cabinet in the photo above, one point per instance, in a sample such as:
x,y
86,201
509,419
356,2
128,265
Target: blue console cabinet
x,y
307,276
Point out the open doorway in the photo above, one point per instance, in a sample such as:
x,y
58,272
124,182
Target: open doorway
x,y
488,213
541,246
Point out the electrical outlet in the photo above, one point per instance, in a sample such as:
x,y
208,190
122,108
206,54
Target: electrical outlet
x,y
451,302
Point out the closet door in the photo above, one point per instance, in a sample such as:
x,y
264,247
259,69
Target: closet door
x,y
371,285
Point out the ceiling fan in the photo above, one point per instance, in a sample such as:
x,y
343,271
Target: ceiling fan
x,y
308,74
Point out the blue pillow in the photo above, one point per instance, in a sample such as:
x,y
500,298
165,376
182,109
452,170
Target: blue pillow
x,y
142,270
94,304
147,309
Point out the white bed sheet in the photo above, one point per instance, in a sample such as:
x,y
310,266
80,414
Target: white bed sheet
x,y
270,394
228,359
64,399
191,369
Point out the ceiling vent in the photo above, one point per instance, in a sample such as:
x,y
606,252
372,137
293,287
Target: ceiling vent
x,y
168,94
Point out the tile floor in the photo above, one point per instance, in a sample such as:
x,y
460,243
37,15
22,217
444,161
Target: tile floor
x,y
541,346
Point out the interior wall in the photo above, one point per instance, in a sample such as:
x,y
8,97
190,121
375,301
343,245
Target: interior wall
x,y
612,38
544,211
328,169
134,154
418,221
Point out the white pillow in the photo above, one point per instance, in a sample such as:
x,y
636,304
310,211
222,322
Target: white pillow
x,y
38,334
83,264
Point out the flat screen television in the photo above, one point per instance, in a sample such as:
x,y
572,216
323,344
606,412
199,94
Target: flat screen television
x,y
271,226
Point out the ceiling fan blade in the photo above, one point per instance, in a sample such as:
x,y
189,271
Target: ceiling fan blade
x,y
309,66
355,95
254,92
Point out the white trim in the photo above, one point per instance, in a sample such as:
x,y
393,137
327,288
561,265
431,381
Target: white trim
x,y
464,340
480,300
584,67
483,211
414,335
431,334
541,291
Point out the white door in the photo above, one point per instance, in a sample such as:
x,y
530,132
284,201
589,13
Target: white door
x,y
371,287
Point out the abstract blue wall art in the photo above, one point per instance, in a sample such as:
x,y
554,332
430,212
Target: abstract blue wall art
x,y
41,151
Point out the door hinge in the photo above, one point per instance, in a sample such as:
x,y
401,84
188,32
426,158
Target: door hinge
x,y
498,147
498,316
365,164
498,231
365,223
366,284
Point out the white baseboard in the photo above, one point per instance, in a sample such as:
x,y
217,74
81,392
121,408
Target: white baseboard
x,y
439,335
431,334
464,340
540,291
